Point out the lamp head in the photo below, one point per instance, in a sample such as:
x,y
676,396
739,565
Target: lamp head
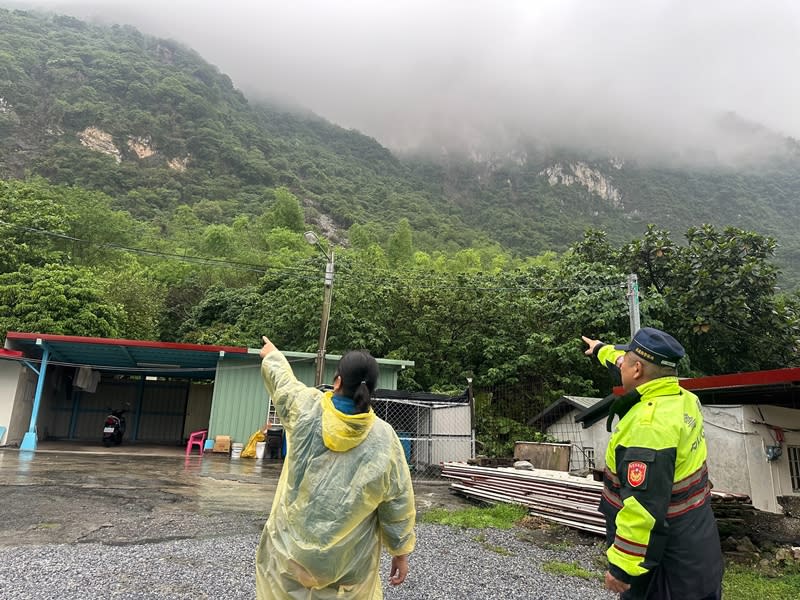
x,y
311,237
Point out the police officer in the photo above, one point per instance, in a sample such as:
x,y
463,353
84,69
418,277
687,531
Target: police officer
x,y
661,534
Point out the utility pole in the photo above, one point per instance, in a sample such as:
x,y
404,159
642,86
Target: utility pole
x,y
326,315
633,303
312,239
471,399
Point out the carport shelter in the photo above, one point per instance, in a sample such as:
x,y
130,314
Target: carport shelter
x,y
62,387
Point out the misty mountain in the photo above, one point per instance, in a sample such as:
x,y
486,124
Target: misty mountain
x,y
533,200
151,123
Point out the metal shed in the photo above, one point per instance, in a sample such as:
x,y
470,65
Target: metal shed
x,y
240,402
169,388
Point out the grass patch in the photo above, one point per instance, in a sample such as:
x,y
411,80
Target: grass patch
x,y
569,569
557,546
481,539
746,582
498,550
499,516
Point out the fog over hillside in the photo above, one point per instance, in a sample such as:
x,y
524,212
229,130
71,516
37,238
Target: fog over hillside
x,y
656,79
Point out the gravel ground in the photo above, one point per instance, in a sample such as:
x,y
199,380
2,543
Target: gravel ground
x,y
447,564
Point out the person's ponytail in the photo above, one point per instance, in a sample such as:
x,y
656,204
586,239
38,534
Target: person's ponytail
x,y
359,374
362,397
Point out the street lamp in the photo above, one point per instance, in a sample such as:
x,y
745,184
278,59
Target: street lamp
x,y
312,239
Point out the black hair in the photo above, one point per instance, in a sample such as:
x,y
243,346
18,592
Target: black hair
x,y
359,373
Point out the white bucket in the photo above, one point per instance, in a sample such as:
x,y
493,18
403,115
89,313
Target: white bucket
x,y
260,446
236,450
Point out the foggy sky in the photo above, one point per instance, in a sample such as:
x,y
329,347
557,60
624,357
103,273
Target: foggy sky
x,y
631,77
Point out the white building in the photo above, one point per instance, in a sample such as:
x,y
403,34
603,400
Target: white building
x,y
587,444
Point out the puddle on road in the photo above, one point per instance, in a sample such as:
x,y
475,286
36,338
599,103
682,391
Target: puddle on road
x,y
115,484
204,484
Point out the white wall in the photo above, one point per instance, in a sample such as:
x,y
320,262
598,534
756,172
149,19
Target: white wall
x,y
736,450
737,458
443,434
9,376
775,474
566,429
23,405
598,437
729,468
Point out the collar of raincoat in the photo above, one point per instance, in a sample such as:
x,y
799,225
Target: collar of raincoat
x,y
340,431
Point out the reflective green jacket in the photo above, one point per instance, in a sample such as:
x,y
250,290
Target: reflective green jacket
x,y
661,534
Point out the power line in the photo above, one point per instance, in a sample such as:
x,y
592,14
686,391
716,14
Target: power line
x,y
171,255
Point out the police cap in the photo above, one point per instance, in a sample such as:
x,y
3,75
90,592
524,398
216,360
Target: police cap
x,y
655,346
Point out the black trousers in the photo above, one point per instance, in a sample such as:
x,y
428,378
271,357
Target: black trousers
x,y
653,586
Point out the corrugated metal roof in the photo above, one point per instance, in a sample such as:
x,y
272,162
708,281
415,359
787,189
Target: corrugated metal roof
x,y
561,407
582,401
166,359
391,394
777,387
162,359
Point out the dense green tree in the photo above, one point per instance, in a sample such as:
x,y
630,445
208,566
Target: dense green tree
x,y
219,240
723,302
401,246
285,212
57,299
717,295
33,224
141,295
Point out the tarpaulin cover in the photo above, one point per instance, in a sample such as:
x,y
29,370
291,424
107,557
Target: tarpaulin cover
x,y
250,448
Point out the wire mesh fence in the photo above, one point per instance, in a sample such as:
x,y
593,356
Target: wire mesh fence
x,y
436,429
432,432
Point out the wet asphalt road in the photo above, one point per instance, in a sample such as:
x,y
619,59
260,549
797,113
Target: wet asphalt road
x,y
164,527
70,498
115,498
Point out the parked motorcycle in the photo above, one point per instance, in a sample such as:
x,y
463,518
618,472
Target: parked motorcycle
x,y
114,428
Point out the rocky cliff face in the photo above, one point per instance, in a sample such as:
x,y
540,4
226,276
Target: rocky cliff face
x,y
99,141
579,173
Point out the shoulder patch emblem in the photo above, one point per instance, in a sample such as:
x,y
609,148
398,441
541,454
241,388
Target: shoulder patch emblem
x,y
637,471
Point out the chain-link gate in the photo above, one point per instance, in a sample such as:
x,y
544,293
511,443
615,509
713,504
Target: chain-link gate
x,y
432,432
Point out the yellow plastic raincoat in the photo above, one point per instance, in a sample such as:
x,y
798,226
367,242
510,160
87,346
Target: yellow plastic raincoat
x,y
344,492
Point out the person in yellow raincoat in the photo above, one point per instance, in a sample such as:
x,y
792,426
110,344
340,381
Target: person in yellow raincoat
x,y
344,491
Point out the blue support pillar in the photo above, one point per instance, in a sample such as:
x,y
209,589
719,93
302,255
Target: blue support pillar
x,y
29,439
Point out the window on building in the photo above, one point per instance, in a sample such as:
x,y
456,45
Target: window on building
x,y
794,466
